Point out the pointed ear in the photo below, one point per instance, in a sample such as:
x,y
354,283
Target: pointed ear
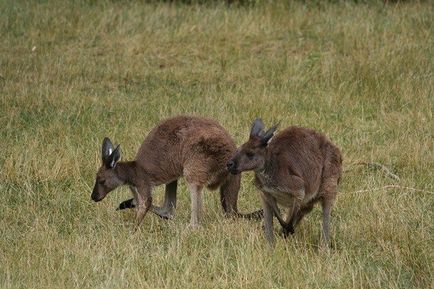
x,y
107,149
265,138
113,159
257,127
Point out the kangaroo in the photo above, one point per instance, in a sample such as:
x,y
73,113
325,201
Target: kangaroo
x,y
194,147
296,168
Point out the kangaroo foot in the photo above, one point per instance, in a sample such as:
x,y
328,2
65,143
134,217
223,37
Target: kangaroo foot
x,y
163,212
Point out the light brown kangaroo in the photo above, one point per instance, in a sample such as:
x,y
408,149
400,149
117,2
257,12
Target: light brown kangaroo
x,y
296,169
194,147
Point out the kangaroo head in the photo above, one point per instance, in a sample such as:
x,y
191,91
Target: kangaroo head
x,y
107,178
251,155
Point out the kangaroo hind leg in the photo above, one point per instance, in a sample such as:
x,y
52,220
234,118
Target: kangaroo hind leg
x,y
168,209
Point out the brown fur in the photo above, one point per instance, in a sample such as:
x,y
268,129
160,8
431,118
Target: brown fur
x,y
295,169
194,147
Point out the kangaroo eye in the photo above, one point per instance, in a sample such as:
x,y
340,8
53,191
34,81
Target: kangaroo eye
x,y
249,155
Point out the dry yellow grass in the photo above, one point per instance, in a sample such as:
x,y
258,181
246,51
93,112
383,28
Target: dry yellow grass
x,y
74,72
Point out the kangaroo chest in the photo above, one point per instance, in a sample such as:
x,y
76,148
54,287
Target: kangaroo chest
x,y
266,184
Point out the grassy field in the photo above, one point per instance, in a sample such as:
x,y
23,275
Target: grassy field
x,y
72,73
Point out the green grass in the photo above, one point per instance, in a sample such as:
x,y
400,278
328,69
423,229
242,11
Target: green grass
x,y
74,72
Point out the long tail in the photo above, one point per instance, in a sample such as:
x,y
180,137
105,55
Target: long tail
x,y
229,199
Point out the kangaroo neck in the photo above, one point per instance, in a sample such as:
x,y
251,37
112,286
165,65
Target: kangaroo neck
x,y
127,172
268,167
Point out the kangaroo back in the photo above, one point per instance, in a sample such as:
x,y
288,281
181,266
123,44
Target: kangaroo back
x,y
186,145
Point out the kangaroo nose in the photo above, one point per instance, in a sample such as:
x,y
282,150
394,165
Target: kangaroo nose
x,y
230,165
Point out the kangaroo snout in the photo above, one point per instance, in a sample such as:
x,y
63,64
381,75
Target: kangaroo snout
x,y
232,167
96,196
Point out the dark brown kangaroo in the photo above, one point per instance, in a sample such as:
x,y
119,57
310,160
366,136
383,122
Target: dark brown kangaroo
x,y
296,169
194,147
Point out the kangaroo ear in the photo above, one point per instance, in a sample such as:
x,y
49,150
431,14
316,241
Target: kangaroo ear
x,y
257,127
265,137
107,149
113,158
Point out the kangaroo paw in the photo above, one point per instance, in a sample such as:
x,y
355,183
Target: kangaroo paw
x,y
128,204
286,231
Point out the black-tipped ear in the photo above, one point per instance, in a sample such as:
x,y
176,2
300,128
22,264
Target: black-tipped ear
x,y
257,127
113,159
107,148
265,138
